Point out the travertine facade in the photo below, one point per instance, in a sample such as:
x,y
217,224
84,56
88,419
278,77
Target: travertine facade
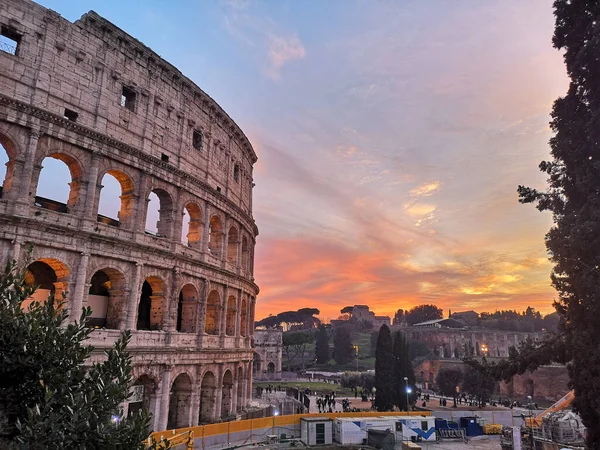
x,y
93,97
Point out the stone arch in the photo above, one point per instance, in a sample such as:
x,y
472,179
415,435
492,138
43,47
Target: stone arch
x,y
215,236
9,157
107,298
160,216
50,275
271,368
257,364
213,313
232,246
208,392
144,388
227,394
180,402
245,254
152,304
231,313
240,388
186,309
244,318
110,210
529,387
191,229
45,179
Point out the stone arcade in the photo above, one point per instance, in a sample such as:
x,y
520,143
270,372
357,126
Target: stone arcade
x,y
93,97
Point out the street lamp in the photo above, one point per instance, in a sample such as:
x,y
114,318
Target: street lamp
x,y
356,348
406,388
484,349
408,391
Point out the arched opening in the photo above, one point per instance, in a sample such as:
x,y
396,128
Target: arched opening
x,y
230,321
257,366
529,387
232,246
7,164
106,298
240,388
215,237
159,213
227,394
180,401
143,389
271,368
207,398
59,183
51,278
245,254
152,305
116,200
191,229
186,309
244,318
213,310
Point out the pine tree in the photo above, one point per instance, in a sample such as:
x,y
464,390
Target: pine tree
x,y
47,399
574,200
322,345
343,351
384,371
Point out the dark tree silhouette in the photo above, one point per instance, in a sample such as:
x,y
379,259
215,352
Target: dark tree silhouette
x,y
384,370
423,313
322,345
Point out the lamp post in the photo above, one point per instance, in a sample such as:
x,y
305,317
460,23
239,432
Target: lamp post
x,y
406,389
373,392
356,348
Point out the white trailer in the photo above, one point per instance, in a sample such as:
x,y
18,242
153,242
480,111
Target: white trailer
x,y
350,430
414,428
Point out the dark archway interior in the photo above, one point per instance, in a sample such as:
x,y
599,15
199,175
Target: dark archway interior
x,y
143,322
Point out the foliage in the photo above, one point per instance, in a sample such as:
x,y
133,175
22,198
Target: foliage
x,y
374,338
384,371
48,400
402,368
478,384
398,317
294,344
343,352
347,310
572,196
360,380
448,378
301,319
423,313
322,345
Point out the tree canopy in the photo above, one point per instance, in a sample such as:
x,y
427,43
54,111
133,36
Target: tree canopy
x,y
403,369
343,352
48,399
303,318
322,345
384,370
423,313
295,343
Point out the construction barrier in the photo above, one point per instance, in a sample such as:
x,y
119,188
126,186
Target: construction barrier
x,y
492,428
252,431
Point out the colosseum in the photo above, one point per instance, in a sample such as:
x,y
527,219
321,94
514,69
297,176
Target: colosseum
x,y
166,249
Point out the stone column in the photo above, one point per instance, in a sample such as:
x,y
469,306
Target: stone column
x,y
201,316
79,292
238,316
25,176
164,396
225,247
206,230
248,383
92,187
134,298
195,405
172,302
154,408
16,250
234,391
219,392
223,320
140,205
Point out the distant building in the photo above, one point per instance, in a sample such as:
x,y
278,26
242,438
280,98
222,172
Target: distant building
x,y
268,349
362,312
441,323
471,318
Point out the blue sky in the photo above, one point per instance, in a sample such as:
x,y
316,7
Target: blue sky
x,y
391,138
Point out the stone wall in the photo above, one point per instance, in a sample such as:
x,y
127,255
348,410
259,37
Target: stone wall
x,y
91,96
268,350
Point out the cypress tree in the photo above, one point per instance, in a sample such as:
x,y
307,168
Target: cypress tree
x,y
573,198
384,370
402,368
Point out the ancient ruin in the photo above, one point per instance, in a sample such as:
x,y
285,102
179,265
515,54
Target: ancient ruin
x,y
175,265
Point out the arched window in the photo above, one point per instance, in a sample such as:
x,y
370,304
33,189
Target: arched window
x,y
191,230
232,246
144,388
152,305
51,278
59,183
186,309
231,310
159,213
180,402
7,164
227,394
106,298
116,200
215,237
213,311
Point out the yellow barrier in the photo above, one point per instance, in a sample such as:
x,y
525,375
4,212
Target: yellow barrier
x,y
174,439
271,422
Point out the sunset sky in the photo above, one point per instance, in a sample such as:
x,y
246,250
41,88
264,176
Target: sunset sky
x,y
391,138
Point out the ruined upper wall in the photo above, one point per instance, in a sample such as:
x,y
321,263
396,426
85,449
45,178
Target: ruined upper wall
x,y
85,66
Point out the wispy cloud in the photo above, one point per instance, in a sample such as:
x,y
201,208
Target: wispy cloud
x,y
283,49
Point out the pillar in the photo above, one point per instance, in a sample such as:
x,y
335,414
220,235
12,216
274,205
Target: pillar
x,y
234,394
79,291
154,409
195,405
92,187
134,298
16,250
201,316
164,397
223,319
219,392
206,230
25,176
172,301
